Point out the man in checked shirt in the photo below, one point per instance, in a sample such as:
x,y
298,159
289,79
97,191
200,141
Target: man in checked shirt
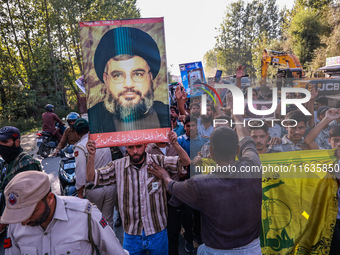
x,y
141,196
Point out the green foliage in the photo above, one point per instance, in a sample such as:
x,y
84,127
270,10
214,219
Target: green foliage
x,y
23,124
311,30
306,28
316,4
329,41
243,25
40,55
210,62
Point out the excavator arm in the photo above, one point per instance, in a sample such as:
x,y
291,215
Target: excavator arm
x,y
270,57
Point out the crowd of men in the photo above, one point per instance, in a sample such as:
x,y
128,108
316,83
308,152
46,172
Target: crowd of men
x,y
154,186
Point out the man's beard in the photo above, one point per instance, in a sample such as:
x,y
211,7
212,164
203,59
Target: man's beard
x,y
128,111
206,118
136,160
196,114
43,217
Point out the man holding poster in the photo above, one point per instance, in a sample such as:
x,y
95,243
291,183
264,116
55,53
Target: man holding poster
x,y
141,196
129,65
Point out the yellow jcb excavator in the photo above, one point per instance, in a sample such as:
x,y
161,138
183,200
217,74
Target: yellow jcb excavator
x,y
293,67
327,86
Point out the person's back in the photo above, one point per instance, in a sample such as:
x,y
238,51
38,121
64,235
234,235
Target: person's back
x,y
231,215
49,119
70,136
229,198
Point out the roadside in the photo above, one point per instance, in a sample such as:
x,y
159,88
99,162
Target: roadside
x,y
28,142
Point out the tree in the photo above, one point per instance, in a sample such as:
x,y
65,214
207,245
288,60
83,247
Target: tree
x,y
305,31
330,41
242,26
210,62
40,52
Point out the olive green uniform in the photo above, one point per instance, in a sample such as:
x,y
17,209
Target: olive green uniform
x,y
23,162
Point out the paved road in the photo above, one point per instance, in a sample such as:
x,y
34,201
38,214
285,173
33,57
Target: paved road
x,y
50,166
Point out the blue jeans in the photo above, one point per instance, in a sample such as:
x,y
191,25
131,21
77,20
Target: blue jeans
x,y
252,248
156,244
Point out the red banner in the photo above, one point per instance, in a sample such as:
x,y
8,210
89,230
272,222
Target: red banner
x,y
131,137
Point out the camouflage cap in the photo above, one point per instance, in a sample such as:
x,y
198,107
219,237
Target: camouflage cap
x,y
9,132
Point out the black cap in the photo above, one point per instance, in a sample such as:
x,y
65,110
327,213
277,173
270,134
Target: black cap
x,y
9,132
129,41
80,124
322,109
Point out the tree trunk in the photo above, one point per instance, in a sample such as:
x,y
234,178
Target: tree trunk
x,y
16,40
48,30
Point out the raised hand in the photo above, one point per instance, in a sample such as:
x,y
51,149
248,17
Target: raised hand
x,y
314,92
91,147
172,138
239,71
332,114
179,93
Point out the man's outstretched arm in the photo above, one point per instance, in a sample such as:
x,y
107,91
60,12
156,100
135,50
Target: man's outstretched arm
x,y
331,114
91,148
183,156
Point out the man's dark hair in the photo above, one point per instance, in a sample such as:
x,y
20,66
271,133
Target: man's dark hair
x,y
174,108
257,126
223,117
83,131
291,107
298,116
191,99
190,118
221,137
322,100
212,107
194,104
335,131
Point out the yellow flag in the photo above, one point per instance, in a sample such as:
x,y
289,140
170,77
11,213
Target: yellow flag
x,y
299,208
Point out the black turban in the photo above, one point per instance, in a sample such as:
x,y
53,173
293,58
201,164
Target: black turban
x,y
130,41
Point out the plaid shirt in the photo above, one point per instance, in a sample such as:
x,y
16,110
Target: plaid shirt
x,y
141,196
288,145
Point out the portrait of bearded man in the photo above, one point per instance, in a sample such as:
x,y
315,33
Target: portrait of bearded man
x,y
127,61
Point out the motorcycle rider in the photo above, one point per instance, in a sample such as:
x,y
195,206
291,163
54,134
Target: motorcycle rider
x,y
70,135
49,118
16,161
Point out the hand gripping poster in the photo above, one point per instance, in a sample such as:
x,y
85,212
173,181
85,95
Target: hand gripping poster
x,y
126,81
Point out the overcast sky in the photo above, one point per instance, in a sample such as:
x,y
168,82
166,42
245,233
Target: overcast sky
x,y
189,26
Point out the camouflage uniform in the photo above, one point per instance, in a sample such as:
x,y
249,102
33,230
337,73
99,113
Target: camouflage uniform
x,y
23,162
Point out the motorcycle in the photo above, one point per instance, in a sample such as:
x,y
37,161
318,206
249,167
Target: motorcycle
x,y
47,142
67,172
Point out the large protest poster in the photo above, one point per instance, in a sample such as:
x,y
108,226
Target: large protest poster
x,y
126,81
192,77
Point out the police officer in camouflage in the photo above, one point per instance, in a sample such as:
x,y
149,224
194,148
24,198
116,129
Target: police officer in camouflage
x,y
16,160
